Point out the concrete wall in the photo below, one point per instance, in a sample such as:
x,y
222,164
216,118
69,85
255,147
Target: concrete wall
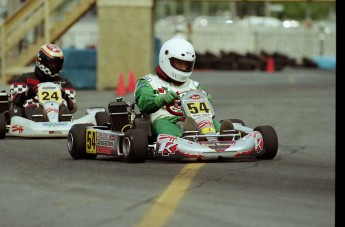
x,y
125,40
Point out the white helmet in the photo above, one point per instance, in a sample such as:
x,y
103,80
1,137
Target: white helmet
x,y
177,49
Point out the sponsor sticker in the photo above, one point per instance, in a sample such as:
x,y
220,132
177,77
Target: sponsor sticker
x,y
17,128
54,124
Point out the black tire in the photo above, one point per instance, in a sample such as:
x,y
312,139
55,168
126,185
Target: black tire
x,y
134,146
270,145
146,125
102,118
2,126
76,142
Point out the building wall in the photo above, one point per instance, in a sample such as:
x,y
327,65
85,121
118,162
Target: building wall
x,y
125,40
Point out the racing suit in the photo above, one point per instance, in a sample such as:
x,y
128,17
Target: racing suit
x,y
27,101
152,85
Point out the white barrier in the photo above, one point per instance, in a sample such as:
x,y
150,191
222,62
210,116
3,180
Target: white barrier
x,y
294,42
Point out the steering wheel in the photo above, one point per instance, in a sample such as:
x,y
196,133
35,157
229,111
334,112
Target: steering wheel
x,y
173,112
177,103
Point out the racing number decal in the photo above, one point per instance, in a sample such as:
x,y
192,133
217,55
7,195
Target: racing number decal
x,y
198,108
91,138
50,95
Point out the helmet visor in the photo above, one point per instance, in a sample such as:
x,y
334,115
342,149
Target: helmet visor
x,y
184,66
54,65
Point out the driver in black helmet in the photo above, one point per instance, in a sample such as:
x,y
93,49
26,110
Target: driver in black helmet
x,y
23,89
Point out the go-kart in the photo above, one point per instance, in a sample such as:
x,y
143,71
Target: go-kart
x,y
49,97
128,135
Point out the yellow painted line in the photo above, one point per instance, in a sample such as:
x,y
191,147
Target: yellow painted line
x,y
167,202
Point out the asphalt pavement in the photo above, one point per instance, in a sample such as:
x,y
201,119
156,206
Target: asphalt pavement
x,y
41,185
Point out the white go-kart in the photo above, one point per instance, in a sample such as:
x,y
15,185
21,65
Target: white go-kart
x,y
129,135
50,98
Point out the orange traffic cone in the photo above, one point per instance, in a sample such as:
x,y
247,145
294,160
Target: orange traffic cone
x,y
131,82
121,88
270,65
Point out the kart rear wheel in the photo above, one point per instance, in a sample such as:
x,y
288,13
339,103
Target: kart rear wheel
x,y
135,145
270,145
2,126
145,124
76,142
102,118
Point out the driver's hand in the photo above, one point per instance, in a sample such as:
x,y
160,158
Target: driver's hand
x,y
30,93
72,106
170,97
209,97
167,98
63,94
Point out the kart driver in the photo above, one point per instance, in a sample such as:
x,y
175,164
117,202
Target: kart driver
x,y
23,89
154,91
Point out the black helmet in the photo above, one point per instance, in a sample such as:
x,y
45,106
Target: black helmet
x,y
50,59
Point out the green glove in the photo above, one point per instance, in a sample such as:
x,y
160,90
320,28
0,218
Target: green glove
x,y
167,98
170,97
209,97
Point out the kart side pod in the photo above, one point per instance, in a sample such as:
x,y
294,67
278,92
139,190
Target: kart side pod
x,y
119,115
4,103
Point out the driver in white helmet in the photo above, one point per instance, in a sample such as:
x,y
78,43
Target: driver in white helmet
x,y
23,89
154,91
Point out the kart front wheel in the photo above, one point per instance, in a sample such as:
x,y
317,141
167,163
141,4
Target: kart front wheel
x,y
2,126
270,145
135,145
76,142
